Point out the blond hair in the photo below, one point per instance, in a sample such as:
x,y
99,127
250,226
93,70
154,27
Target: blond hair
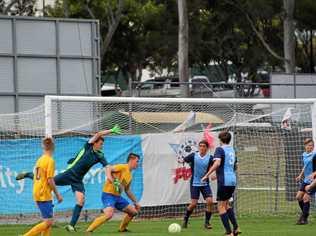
x,y
48,144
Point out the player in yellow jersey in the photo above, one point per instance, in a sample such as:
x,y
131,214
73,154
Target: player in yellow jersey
x,y
119,178
42,189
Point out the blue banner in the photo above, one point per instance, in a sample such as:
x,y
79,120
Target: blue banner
x,y
21,154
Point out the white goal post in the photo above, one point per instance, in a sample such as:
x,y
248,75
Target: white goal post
x,y
268,155
50,98
267,135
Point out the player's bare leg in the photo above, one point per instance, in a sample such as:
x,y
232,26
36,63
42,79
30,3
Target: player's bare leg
x,y
107,215
131,212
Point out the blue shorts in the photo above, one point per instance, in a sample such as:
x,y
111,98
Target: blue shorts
x,y
46,209
114,201
205,190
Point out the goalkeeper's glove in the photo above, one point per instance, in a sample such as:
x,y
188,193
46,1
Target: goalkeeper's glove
x,y
117,184
116,130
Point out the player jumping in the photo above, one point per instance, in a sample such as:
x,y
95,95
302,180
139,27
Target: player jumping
x,y
225,166
111,196
42,189
200,162
89,155
303,197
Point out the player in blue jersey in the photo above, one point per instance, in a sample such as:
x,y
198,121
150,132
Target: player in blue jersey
x,y
309,167
200,162
89,155
225,166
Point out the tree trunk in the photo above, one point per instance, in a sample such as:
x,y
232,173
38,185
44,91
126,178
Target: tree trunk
x,y
289,36
311,52
113,24
66,8
183,50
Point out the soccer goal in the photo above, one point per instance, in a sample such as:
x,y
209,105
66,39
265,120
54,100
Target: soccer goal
x,y
267,134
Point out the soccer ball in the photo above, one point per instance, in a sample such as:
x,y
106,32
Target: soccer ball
x,y
174,228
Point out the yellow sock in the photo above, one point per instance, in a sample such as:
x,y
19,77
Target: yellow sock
x,y
47,232
125,221
37,229
96,223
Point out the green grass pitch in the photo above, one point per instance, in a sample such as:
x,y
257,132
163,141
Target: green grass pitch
x,y
258,226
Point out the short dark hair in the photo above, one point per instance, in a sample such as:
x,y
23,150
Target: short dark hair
x,y
132,156
225,137
205,143
308,140
98,139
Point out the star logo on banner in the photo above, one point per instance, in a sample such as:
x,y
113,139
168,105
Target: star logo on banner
x,y
184,148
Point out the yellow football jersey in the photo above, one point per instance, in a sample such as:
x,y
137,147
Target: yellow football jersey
x,y
44,169
123,174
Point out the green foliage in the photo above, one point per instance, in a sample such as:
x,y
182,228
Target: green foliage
x,y
18,8
147,35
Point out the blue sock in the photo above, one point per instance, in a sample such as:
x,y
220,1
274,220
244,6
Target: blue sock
x,y
301,204
75,215
225,221
232,217
306,209
208,215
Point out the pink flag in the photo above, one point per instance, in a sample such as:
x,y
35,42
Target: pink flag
x,y
209,137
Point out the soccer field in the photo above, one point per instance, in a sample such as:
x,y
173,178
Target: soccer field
x,y
259,226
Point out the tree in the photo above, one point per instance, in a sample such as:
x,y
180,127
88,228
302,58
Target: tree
x,y
183,46
289,36
17,7
306,24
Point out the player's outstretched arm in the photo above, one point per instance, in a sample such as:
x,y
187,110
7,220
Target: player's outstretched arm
x,y
214,167
115,130
52,184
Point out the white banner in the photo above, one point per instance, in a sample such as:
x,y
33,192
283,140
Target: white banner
x,y
166,178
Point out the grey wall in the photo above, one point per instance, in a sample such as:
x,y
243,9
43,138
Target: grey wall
x,y
286,91
40,56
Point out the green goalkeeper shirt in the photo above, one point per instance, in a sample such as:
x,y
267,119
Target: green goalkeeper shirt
x,y
84,160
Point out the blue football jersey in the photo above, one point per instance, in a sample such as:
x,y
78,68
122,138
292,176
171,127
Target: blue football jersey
x,y
309,161
226,174
199,167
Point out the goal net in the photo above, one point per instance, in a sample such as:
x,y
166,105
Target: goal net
x,y
267,135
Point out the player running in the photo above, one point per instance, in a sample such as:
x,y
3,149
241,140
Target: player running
x,y
42,189
90,154
225,166
303,197
200,162
111,196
